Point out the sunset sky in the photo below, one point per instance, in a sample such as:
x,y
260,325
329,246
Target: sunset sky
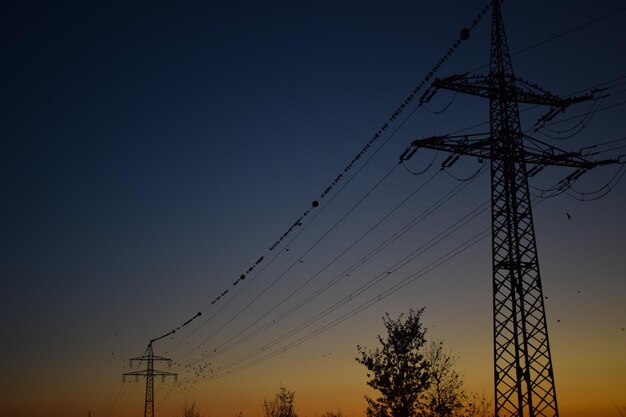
x,y
151,154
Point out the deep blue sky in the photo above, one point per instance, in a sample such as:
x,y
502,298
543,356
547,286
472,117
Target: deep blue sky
x,y
151,153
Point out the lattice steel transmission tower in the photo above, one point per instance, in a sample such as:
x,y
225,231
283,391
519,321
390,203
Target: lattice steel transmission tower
x,y
149,373
524,377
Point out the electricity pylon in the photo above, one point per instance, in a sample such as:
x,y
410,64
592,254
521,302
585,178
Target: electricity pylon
x,y
149,373
524,377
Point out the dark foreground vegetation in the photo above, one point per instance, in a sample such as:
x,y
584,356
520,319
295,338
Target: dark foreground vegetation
x,y
413,377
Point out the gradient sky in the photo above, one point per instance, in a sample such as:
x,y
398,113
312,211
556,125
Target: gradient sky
x,y
152,153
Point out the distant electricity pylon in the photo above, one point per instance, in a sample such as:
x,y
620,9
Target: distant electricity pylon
x,y
524,377
149,373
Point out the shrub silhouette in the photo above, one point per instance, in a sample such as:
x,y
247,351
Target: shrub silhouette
x,y
281,405
398,369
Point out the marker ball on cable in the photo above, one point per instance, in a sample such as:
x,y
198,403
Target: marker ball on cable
x,y
465,34
315,203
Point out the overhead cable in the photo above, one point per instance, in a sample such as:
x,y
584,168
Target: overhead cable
x,y
299,222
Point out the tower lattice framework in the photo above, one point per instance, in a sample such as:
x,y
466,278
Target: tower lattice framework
x,y
523,372
149,373
524,376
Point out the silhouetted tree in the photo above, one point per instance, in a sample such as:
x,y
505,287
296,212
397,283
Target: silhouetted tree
x,y
397,369
337,413
281,406
189,410
477,406
445,396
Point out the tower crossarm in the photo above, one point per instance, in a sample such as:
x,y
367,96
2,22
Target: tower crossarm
x,y
149,373
135,373
155,372
481,146
476,85
146,357
473,145
517,90
161,358
164,373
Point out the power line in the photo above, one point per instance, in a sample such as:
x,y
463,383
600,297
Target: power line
x,y
387,271
370,302
559,35
600,192
280,276
604,108
572,131
524,377
362,261
394,116
115,400
569,31
612,106
304,228
334,195
422,216
337,278
598,145
464,35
